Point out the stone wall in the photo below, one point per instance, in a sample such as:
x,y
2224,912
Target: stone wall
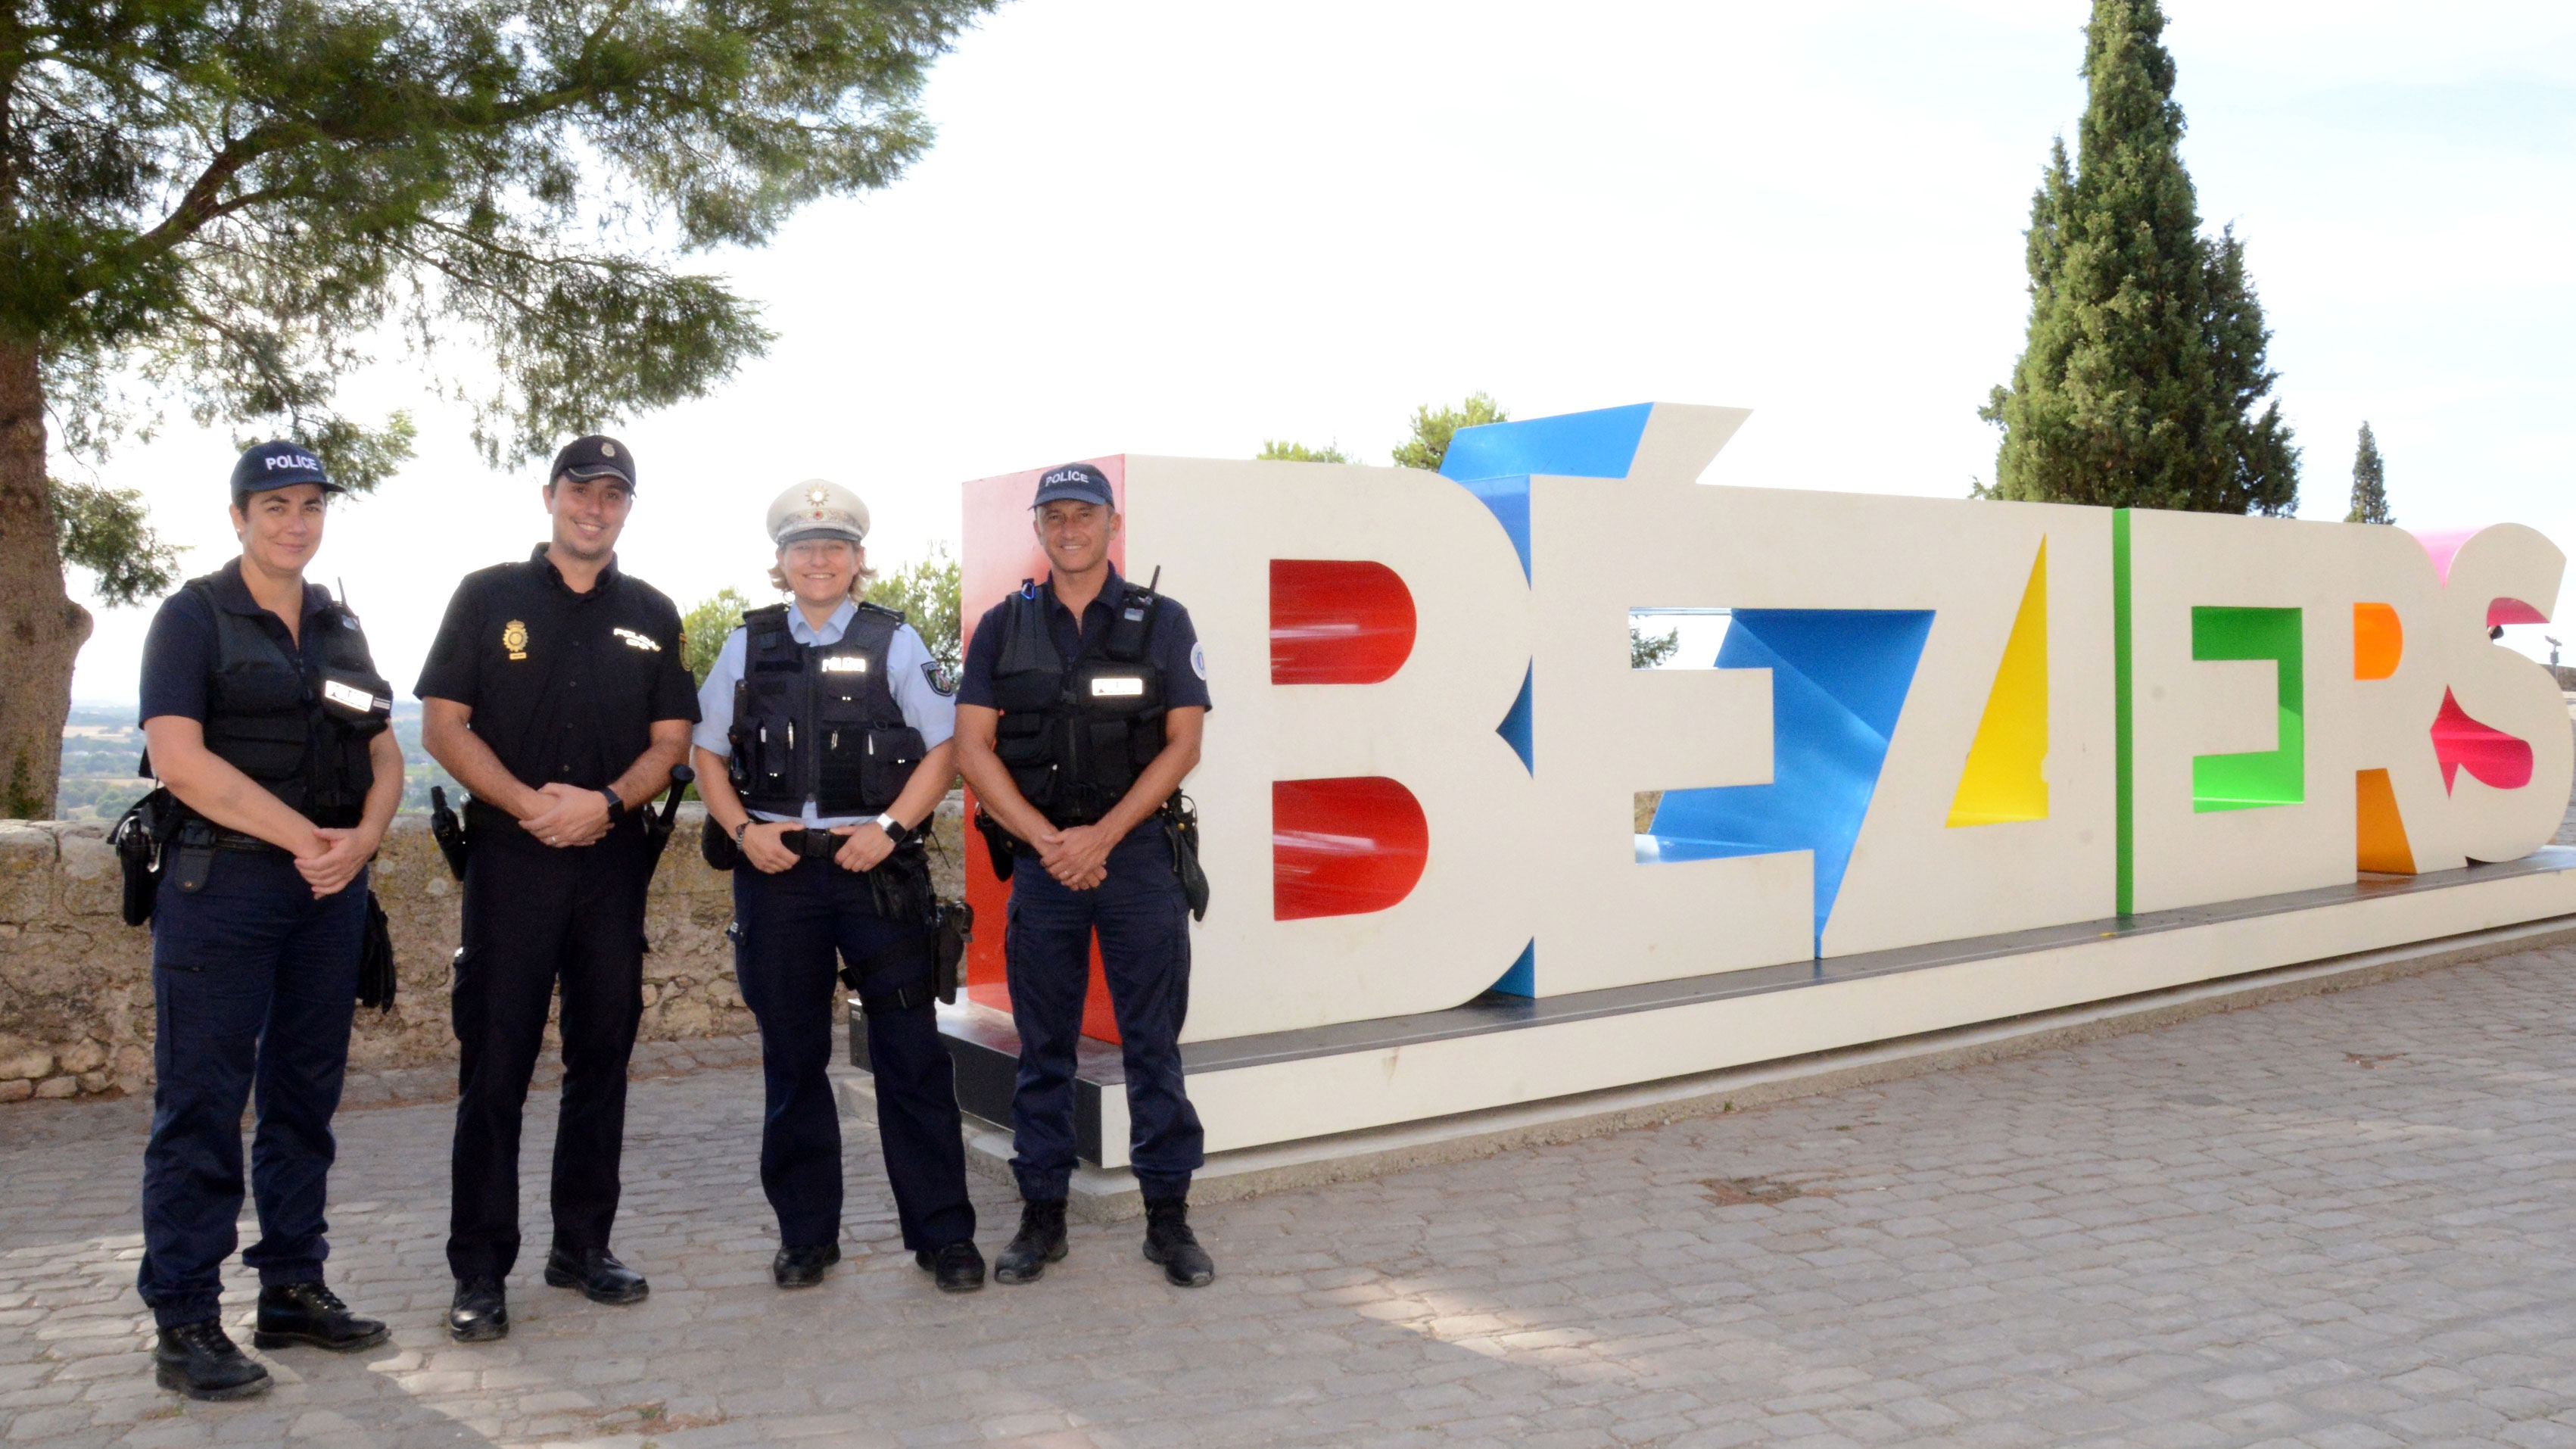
x,y
76,1003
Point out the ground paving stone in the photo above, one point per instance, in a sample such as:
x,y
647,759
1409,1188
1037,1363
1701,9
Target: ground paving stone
x,y
2340,1222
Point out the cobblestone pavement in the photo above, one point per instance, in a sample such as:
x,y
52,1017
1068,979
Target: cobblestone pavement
x,y
2342,1221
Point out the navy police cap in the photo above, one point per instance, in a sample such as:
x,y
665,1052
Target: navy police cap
x,y
595,456
280,464
1078,481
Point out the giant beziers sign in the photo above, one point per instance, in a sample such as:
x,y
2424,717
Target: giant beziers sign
x,y
1930,721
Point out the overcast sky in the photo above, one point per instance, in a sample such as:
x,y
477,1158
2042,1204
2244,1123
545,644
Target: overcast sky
x,y
1183,228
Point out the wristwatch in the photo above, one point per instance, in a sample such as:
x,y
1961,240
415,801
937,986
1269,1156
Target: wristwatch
x,y
893,829
616,807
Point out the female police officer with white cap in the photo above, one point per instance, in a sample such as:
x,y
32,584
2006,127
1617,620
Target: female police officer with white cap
x,y
266,720
821,749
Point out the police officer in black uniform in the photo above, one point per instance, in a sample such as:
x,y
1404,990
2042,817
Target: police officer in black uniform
x,y
265,719
1079,714
557,693
822,746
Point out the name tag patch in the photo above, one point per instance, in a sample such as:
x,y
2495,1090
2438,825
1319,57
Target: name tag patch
x,y
1115,688
637,641
348,697
845,664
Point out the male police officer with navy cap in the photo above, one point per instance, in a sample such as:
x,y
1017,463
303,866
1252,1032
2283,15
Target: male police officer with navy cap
x,y
266,720
1079,713
557,692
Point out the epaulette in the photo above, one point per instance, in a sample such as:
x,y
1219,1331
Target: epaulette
x,y
872,606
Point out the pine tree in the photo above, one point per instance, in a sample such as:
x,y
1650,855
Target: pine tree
x,y
2369,483
2145,355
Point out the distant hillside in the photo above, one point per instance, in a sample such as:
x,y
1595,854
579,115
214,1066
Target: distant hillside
x,y
102,745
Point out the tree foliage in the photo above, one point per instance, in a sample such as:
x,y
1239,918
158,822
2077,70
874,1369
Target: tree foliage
x,y
705,627
105,531
2145,359
1274,450
1433,428
1648,651
236,193
927,593
2369,483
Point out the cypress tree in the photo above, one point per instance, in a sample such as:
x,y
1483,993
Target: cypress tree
x,y
2145,357
2369,483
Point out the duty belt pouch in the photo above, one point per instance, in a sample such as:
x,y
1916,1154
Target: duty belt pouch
x,y
716,847
194,861
376,958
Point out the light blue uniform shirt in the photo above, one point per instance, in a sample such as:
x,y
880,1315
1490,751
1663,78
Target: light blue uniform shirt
x,y
907,674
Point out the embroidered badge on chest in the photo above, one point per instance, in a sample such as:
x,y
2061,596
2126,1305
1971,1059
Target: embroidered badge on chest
x,y
514,638
637,641
845,664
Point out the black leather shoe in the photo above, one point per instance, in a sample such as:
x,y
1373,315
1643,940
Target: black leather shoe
x,y
957,1268
480,1312
201,1361
309,1313
803,1267
598,1274
1169,1241
1039,1241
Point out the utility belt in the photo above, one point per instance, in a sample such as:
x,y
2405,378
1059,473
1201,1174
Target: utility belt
x,y
161,839
1179,817
899,890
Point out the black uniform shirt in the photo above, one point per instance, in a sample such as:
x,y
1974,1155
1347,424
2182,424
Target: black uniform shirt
x,y
179,653
1174,648
564,686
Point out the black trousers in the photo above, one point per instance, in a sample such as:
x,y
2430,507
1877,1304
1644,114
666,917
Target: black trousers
x,y
797,927
535,916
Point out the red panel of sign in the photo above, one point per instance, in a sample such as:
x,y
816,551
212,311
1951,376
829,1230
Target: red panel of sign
x,y
1337,621
1343,847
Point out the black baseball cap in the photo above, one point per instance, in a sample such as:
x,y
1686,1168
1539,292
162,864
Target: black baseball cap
x,y
595,456
1078,481
279,464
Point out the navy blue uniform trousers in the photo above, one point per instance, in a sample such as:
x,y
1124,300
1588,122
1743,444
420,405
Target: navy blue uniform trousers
x,y
536,915
797,926
1144,929
254,984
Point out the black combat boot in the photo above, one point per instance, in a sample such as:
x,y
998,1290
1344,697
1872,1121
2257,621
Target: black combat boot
x,y
956,1268
480,1312
1039,1241
200,1360
1169,1241
310,1313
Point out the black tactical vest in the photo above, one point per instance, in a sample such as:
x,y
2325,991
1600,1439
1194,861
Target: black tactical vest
x,y
303,736
819,722
1075,735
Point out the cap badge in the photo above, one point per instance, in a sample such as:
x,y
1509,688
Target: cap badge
x,y
514,637
818,497
608,450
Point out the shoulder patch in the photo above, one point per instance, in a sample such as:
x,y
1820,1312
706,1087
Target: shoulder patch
x,y
1198,660
942,677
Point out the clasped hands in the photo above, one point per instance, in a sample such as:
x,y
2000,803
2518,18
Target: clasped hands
x,y
1077,856
565,815
863,846
335,858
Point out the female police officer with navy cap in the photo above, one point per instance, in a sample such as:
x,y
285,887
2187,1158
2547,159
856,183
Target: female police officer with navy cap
x,y
266,720
822,747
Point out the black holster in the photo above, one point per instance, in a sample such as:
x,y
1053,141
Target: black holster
x,y
140,839
448,831
376,958
1004,846
1181,823
716,847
